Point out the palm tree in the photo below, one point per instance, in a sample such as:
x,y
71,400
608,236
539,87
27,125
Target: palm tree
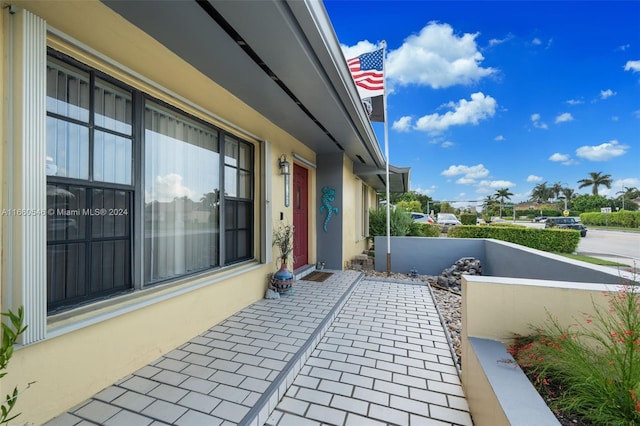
x,y
596,179
568,194
502,194
628,193
541,192
556,189
487,204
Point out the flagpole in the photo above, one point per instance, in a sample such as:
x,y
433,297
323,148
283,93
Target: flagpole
x,y
386,154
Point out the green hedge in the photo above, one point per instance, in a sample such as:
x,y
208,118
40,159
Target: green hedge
x,y
623,218
505,225
420,229
551,240
468,219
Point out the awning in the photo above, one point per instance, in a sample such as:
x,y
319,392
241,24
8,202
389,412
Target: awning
x,y
376,177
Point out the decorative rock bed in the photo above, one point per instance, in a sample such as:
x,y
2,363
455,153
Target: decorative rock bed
x,y
452,277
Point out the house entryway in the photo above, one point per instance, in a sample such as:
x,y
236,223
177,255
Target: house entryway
x,y
300,216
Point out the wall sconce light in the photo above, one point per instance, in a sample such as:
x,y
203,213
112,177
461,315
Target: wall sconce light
x,y
285,171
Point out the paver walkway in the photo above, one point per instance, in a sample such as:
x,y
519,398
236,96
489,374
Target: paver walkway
x,y
345,351
384,360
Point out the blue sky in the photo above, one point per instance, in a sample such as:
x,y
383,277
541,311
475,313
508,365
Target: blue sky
x,y
507,94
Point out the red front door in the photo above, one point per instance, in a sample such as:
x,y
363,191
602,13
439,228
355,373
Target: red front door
x,y
300,217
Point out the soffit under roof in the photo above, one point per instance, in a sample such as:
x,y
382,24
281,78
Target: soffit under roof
x,y
281,58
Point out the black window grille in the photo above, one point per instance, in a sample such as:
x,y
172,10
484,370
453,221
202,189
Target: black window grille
x,y
111,148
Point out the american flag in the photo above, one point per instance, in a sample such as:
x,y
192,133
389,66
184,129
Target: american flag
x,y
367,73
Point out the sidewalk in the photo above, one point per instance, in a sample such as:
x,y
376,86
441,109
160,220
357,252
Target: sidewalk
x,y
347,351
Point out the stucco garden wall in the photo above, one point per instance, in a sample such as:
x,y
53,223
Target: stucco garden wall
x,y
429,256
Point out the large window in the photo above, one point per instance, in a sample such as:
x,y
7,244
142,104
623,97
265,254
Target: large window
x,y
110,149
238,197
89,186
182,174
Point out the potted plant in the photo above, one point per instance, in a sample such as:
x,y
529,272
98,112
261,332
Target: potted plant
x,y
282,280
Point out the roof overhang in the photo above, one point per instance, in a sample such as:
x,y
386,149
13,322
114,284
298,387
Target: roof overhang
x,y
282,58
376,177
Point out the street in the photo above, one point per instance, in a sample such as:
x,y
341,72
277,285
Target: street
x,y
611,243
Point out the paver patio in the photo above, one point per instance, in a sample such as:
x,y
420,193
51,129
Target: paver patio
x,y
347,351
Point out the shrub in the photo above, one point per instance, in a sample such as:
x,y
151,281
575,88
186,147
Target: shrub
x,y
594,363
551,240
505,224
419,229
468,219
400,223
10,334
624,218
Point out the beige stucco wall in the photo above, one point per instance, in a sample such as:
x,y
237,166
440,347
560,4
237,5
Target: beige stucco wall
x,y
352,243
74,366
497,308
83,359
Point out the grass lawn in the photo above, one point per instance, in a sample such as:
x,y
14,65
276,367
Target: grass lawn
x,y
593,260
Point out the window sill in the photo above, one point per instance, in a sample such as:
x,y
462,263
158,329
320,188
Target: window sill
x,y
97,312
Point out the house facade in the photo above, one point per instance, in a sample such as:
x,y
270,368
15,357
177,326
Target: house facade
x,y
144,166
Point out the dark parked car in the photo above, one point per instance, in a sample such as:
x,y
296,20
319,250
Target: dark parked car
x,y
566,223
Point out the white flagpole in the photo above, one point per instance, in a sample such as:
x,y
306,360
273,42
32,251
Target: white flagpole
x,y
386,154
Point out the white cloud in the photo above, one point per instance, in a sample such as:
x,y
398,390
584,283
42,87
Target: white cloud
x,y
604,94
447,144
605,192
465,181
403,124
498,41
623,47
535,119
557,157
460,204
626,182
564,117
602,152
633,66
360,48
468,174
565,159
499,138
428,191
438,58
534,178
490,186
536,41
575,101
480,107
169,187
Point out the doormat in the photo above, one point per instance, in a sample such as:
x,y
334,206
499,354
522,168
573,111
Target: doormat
x,y
317,276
